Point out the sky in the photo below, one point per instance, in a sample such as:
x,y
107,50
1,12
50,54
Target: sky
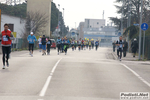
x,y
77,10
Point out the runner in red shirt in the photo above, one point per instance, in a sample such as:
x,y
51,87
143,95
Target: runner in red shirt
x,y
6,37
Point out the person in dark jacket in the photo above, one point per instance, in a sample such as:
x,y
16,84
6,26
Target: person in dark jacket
x,y
114,46
49,43
120,46
134,46
125,48
44,45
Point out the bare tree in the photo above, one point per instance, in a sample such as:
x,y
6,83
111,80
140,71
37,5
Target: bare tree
x,y
36,23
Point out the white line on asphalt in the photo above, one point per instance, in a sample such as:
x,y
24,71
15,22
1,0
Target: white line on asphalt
x,y
143,80
42,93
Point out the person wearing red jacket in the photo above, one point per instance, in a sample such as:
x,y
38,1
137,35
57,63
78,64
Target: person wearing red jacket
x,y
6,38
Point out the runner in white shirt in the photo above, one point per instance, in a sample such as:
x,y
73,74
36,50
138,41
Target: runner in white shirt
x,y
40,43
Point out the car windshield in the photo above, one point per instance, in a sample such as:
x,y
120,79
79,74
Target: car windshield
x,y
75,49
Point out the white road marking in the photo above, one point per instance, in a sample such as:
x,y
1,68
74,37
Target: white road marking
x,y
143,80
42,93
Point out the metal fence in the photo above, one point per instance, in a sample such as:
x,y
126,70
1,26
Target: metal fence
x,y
21,44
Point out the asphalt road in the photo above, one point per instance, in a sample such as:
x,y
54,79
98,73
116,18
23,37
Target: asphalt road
x,y
84,75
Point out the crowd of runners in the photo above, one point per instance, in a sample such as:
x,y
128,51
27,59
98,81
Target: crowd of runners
x,y
82,44
62,44
45,43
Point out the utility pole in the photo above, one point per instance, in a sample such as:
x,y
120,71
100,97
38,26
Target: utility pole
x,y
140,30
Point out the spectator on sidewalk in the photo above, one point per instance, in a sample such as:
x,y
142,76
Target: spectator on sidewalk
x,y
114,46
134,46
125,48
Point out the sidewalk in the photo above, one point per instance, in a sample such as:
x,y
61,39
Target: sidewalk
x,y
129,57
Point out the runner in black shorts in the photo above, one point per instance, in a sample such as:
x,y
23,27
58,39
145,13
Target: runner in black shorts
x,y
31,39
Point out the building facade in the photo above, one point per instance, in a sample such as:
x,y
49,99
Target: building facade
x,y
43,7
80,30
17,25
105,35
94,23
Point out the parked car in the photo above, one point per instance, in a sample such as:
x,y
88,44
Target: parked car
x,y
53,44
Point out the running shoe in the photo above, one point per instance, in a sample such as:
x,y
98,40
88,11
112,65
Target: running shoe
x,y
3,67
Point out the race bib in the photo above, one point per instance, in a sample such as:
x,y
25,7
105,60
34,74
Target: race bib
x,y
30,40
48,42
120,46
5,38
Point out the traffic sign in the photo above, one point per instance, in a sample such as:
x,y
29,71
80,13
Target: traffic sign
x,y
73,33
119,34
144,26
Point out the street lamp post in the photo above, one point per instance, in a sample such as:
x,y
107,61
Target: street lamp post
x,y
140,29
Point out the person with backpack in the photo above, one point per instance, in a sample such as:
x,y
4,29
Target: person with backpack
x,y
44,45
49,43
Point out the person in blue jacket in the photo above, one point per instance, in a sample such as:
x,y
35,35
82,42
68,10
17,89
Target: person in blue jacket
x,y
31,39
59,44
97,44
62,44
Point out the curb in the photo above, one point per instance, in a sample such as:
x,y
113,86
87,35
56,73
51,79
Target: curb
x,y
114,56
